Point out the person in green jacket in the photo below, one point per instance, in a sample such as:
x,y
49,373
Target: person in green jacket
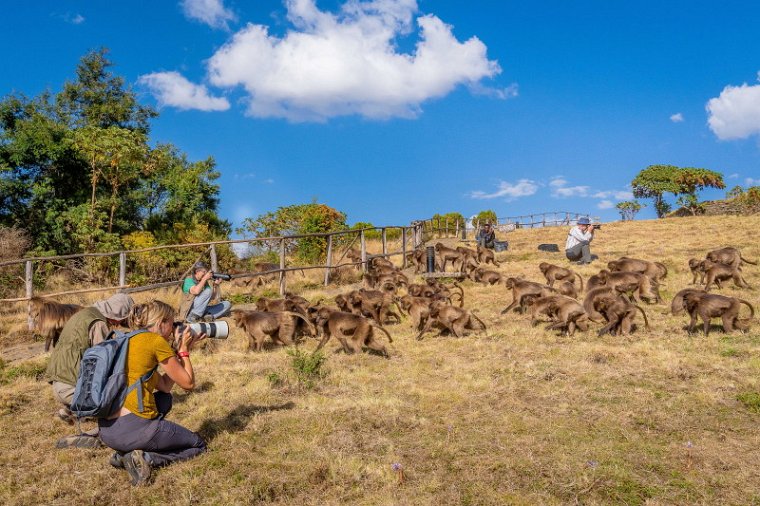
x,y
86,328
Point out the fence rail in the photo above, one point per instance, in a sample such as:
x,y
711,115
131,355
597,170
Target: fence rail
x,y
411,237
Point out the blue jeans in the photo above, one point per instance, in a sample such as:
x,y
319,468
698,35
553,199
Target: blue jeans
x,y
201,307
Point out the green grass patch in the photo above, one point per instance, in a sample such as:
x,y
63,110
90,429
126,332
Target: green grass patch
x,y
750,400
308,367
10,373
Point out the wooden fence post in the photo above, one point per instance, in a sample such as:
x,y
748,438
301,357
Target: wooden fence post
x,y
328,261
403,248
123,268
214,261
282,266
364,251
29,292
385,242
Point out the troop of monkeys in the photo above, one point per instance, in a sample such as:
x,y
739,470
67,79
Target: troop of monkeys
x,y
611,298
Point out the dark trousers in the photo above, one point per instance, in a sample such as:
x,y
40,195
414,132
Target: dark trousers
x,y
581,251
164,442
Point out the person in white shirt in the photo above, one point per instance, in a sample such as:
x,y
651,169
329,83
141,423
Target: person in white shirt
x,y
577,247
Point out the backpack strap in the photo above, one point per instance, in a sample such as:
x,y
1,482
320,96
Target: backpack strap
x,y
142,379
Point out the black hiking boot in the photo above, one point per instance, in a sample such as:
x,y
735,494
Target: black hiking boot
x,y
117,460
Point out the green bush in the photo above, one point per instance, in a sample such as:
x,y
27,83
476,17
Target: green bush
x,y
307,366
750,400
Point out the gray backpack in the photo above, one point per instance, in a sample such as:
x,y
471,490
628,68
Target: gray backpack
x,y
102,384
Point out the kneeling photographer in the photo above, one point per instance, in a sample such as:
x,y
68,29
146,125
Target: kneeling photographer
x,y
199,289
140,435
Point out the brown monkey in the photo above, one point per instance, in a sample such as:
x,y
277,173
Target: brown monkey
x,y
49,317
418,309
372,303
485,255
594,295
728,256
416,258
678,304
355,256
720,272
522,290
619,312
468,253
353,331
697,268
378,261
279,326
451,318
487,277
593,282
655,270
568,288
556,273
568,313
631,282
446,254
709,306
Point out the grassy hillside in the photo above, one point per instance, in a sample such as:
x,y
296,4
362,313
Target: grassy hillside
x,y
514,415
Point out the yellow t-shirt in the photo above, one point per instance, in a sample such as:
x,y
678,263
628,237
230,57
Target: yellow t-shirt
x,y
146,350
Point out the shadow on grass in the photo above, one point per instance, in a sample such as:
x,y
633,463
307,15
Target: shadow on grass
x,y
181,397
237,419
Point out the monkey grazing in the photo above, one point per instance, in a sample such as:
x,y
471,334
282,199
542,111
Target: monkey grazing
x,y
568,314
709,306
697,268
633,283
353,331
453,319
486,277
721,272
485,255
678,304
554,273
619,313
49,317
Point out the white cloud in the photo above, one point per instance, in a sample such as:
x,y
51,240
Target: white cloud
x,y
751,181
557,182
676,118
210,12
571,191
269,180
605,204
523,188
735,114
733,176
349,63
73,19
616,194
172,89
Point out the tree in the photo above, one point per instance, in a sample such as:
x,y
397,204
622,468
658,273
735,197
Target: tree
x,y
628,209
451,218
487,216
656,180
735,192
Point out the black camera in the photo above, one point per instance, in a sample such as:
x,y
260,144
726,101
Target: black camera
x,y
597,226
219,275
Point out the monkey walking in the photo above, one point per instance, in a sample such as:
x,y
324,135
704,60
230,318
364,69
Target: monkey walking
x,y
353,331
554,273
454,319
709,306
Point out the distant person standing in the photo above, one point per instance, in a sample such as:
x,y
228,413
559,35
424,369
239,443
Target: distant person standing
x,y
578,245
486,237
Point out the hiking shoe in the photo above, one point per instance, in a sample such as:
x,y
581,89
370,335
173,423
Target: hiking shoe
x,y
79,441
192,318
138,467
117,460
65,416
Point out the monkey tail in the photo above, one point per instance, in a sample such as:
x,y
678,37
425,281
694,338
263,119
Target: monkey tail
x,y
664,269
747,261
751,309
381,328
646,320
311,326
479,320
579,279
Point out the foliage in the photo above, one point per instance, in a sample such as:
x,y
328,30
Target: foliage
x,y
307,366
77,173
749,201
9,373
750,400
691,204
14,243
656,180
487,216
734,192
298,219
451,218
391,234
628,209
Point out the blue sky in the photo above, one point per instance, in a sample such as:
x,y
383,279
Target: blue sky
x,y
393,110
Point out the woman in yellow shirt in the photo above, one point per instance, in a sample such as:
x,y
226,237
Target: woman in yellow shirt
x,y
142,438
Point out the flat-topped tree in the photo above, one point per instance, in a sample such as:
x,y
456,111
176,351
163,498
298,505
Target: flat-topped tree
x,y
656,180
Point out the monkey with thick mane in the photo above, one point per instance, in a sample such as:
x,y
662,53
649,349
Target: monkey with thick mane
x,y
49,317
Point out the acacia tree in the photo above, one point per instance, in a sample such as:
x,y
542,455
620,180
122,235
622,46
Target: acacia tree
x,y
487,216
628,209
657,180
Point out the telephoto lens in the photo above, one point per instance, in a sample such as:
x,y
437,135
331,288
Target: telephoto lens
x,y
219,275
214,330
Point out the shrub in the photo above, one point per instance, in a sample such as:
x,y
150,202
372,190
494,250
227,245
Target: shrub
x,y
307,366
750,400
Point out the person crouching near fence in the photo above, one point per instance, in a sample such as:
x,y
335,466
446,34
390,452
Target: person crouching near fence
x,y
142,438
578,244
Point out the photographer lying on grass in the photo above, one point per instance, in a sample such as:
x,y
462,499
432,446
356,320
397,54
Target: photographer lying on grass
x,y
199,290
142,438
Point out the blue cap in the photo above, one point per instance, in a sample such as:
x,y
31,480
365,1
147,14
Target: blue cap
x,y
584,221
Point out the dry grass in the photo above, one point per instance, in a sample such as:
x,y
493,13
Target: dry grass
x,y
512,416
